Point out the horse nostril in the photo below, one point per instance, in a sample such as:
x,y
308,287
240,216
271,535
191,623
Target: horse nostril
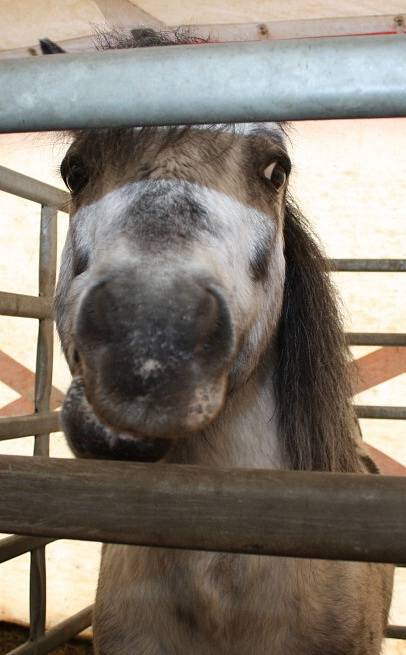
x,y
206,319
96,312
216,337
129,322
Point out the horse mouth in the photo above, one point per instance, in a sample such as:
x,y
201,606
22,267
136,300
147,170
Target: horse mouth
x,y
135,430
149,367
89,436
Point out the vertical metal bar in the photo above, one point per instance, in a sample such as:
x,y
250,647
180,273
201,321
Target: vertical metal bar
x,y
43,385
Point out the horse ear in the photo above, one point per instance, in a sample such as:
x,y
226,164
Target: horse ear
x,y
311,381
49,47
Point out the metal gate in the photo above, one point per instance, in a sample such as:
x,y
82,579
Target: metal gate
x,y
48,499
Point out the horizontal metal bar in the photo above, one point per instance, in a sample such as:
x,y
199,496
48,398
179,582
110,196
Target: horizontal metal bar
x,y
16,545
58,635
375,411
17,304
396,632
30,424
369,265
210,83
31,189
291,513
375,339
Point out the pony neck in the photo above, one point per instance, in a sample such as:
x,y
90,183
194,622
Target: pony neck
x,y
245,434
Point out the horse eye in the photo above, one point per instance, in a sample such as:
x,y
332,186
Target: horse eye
x,y
276,174
74,175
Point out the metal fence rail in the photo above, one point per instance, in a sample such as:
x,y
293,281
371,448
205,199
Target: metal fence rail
x,y
18,304
42,422
27,187
369,265
376,339
15,427
396,632
294,80
17,545
387,412
42,395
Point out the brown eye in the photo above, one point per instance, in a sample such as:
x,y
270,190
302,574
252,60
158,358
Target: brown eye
x,y
276,174
74,174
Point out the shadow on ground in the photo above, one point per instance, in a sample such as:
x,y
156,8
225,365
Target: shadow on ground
x,y
12,636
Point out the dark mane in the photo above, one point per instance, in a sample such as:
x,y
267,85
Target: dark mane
x,y
312,381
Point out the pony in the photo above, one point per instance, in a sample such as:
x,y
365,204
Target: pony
x,y
196,314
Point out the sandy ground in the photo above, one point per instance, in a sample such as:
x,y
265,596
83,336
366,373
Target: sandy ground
x,y
349,179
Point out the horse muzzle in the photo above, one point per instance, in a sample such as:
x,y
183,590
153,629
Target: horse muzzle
x,y
154,352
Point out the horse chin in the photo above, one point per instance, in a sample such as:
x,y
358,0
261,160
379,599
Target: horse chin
x,y
90,437
135,431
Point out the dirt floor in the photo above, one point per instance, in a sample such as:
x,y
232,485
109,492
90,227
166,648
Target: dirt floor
x,y
12,636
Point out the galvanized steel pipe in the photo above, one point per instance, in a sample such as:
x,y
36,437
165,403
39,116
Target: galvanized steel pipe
x,y
27,187
223,82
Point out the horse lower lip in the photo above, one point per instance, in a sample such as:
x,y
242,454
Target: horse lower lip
x,y
174,408
89,435
127,430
